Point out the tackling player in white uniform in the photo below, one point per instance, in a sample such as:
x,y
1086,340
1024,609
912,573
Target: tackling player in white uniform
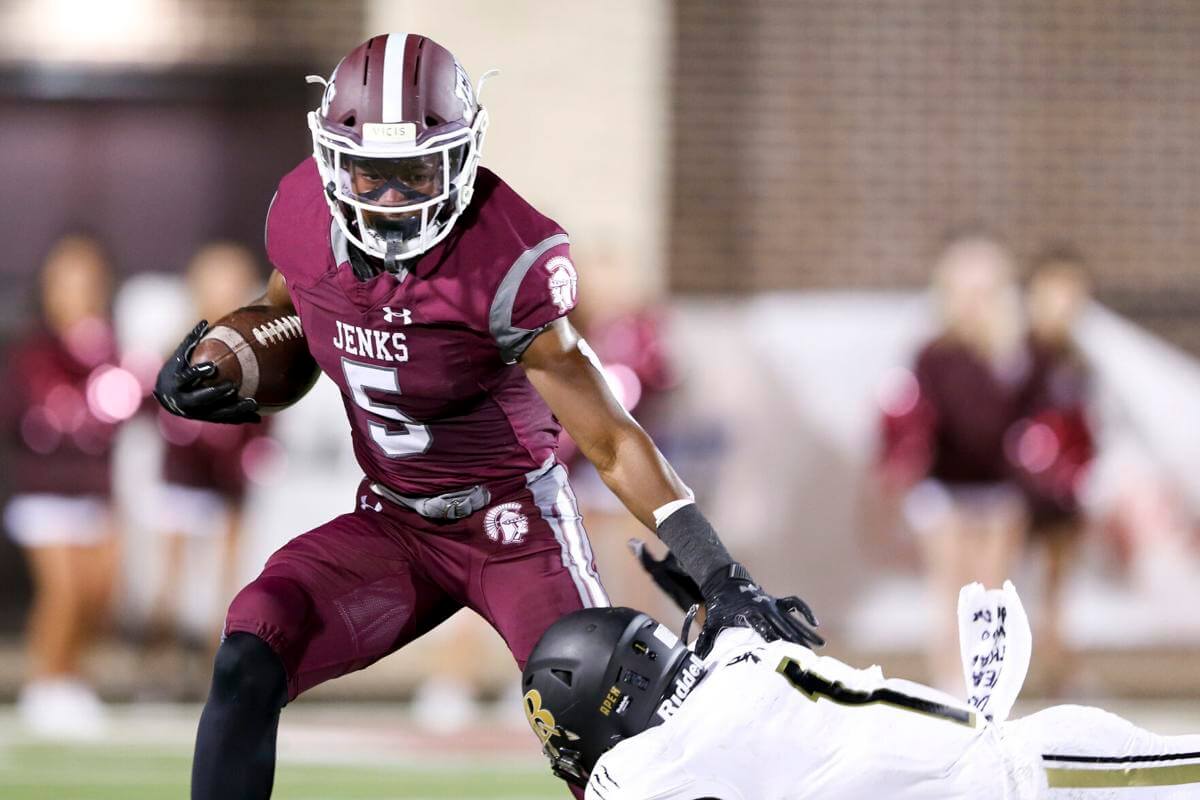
x,y
621,704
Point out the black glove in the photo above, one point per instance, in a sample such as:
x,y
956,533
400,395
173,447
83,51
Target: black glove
x,y
176,388
732,599
668,573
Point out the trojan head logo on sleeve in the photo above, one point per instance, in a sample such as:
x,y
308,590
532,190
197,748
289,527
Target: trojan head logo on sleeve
x,y
562,282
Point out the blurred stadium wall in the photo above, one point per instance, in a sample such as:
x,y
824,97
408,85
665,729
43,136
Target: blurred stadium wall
x,y
827,145
580,112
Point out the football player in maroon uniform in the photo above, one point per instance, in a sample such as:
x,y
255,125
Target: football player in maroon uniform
x,y
436,298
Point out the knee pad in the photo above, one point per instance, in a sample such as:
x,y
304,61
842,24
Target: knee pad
x,y
275,609
248,672
274,602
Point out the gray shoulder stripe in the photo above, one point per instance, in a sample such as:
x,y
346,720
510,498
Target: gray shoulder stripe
x,y
500,316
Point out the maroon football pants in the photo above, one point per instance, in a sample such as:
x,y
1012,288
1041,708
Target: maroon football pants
x,y
363,585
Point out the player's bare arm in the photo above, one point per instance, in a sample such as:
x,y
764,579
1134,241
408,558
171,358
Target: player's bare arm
x,y
560,367
566,374
276,294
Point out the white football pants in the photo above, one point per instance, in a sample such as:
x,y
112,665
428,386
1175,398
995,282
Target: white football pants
x,y
1089,754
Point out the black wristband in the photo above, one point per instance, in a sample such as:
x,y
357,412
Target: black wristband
x,y
694,542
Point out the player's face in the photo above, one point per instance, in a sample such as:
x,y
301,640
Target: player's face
x,y
396,182
397,199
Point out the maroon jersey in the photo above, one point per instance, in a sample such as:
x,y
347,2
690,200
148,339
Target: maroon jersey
x,y
965,407
427,363
965,422
207,455
1052,447
58,413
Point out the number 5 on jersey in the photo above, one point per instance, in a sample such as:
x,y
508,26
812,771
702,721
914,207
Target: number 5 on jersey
x,y
411,438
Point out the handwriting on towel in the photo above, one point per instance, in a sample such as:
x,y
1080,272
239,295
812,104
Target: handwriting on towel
x,y
989,656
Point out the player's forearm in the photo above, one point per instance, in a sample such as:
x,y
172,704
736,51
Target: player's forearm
x,y
569,378
636,472
648,486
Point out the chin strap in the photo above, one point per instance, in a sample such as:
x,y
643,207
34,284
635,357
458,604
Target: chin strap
x,y
688,619
392,262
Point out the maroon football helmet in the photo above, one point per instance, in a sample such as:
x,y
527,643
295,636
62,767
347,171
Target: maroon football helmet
x,y
397,139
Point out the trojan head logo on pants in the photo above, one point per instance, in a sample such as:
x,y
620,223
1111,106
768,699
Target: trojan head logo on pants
x,y
506,524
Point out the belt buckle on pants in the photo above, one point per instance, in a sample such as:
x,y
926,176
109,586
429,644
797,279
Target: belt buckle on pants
x,y
458,508
451,505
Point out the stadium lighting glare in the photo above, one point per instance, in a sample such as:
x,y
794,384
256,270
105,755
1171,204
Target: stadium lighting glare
x,y
87,31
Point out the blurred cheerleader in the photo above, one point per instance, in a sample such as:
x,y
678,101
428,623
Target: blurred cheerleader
x,y
944,439
63,398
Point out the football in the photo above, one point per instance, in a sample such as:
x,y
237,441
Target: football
x,y
264,352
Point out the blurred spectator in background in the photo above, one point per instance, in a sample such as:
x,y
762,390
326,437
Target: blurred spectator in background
x,y
63,398
204,472
1053,446
944,435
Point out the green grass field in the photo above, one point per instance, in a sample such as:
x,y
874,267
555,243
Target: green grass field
x,y
350,755
43,772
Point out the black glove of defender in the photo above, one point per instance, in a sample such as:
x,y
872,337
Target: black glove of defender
x,y
732,599
669,574
176,389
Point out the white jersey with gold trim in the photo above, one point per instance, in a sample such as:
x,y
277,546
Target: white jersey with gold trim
x,y
776,721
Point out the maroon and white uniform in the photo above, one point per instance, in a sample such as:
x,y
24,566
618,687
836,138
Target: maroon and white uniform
x,y
985,436
206,456
426,364
1054,444
205,473
59,416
